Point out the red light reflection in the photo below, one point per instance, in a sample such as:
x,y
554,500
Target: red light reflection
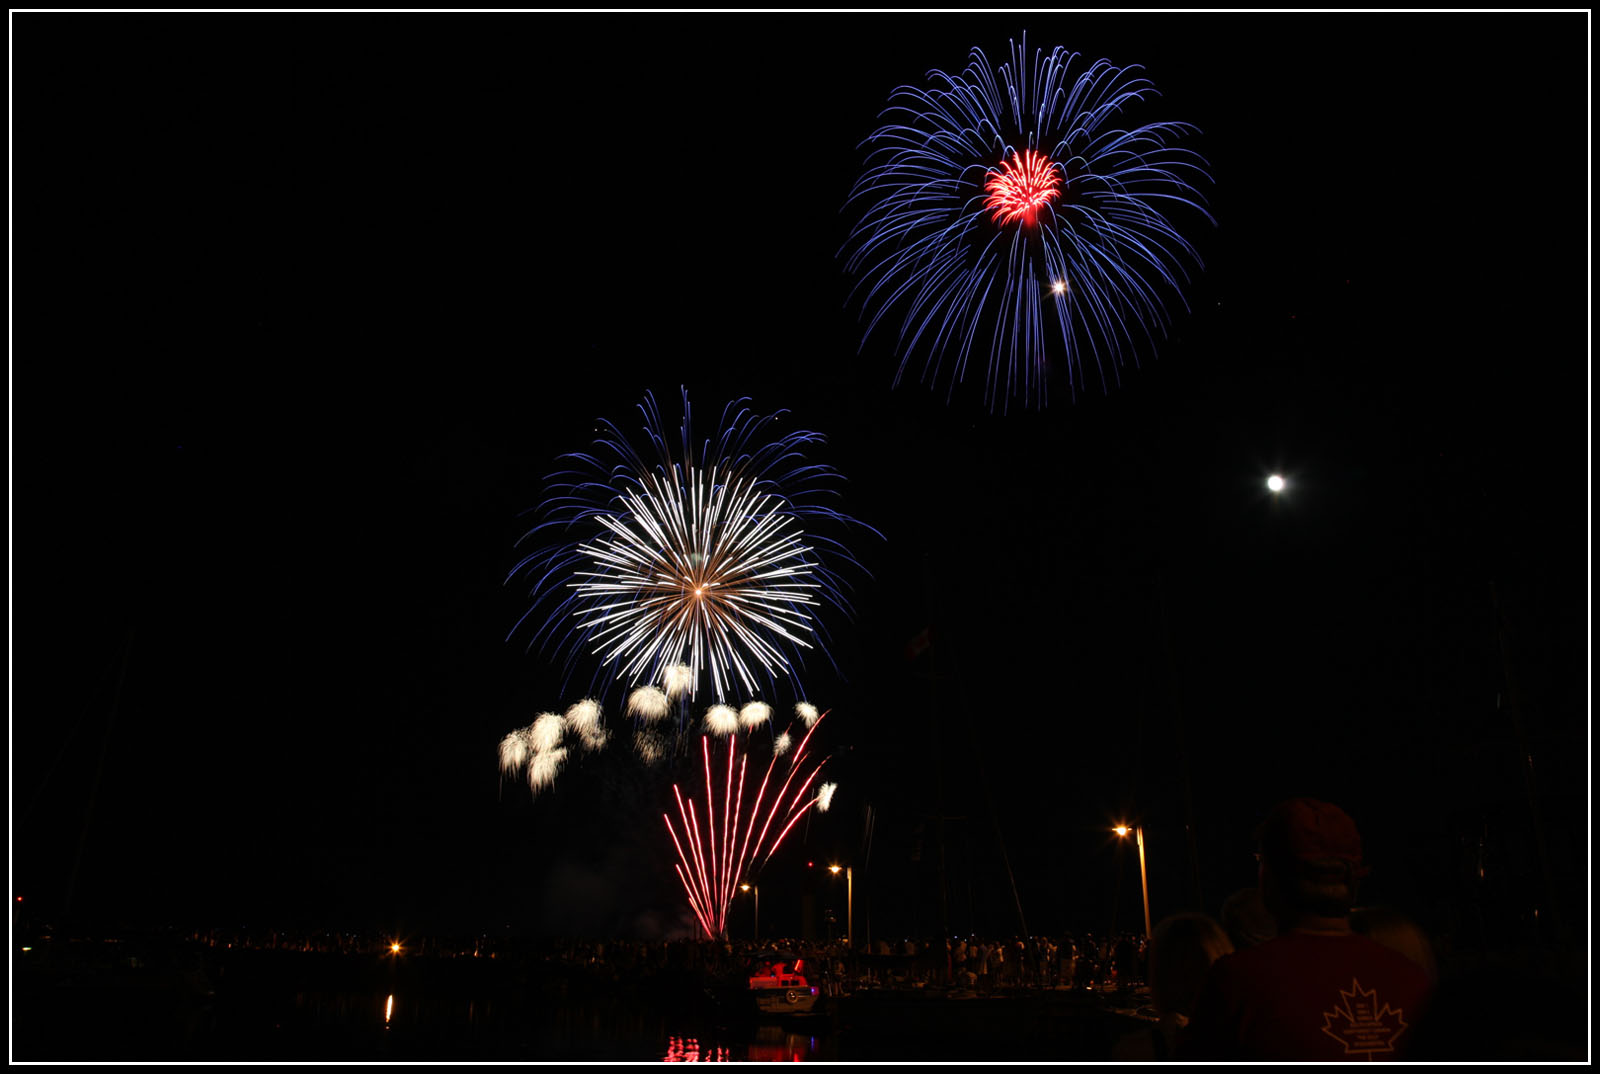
x,y
688,1050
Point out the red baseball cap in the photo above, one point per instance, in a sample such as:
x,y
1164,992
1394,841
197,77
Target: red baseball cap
x,y
1310,831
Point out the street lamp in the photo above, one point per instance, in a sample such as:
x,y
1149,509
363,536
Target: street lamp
x,y
1144,884
849,904
747,886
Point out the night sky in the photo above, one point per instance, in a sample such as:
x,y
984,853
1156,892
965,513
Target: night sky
x,y
307,306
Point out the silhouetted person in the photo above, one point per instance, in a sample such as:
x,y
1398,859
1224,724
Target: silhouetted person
x,y
1318,991
1182,949
1245,919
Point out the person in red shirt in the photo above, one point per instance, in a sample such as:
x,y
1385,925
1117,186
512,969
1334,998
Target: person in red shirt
x,y
1318,991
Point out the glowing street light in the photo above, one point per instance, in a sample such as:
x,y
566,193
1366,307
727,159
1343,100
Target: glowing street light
x,y
747,886
1276,483
849,904
1144,886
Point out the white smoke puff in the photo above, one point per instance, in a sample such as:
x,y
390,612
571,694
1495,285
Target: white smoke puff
x,y
584,717
677,679
755,714
648,703
781,745
514,751
650,747
807,712
544,768
722,720
545,732
825,796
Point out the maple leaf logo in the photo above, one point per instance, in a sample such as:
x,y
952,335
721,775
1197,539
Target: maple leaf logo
x,y
1360,1024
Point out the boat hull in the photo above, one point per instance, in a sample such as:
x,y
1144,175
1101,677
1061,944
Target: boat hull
x,y
794,999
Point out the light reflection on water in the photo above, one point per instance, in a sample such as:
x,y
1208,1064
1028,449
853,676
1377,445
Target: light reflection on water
x,y
764,1044
687,1050
773,1044
469,1028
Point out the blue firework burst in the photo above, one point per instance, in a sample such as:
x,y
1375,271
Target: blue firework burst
x,y
1007,213
712,556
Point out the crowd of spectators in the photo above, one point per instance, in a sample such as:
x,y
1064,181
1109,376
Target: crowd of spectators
x,y
976,964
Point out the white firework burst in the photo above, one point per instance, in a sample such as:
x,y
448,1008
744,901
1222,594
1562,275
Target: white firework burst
x,y
722,720
677,679
755,714
514,751
702,569
649,704
544,767
781,744
544,734
825,796
650,746
807,713
702,564
584,718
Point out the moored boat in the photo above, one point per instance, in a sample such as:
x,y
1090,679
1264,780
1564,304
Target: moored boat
x,y
778,983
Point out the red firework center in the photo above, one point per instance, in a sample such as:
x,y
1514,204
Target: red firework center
x,y
1026,184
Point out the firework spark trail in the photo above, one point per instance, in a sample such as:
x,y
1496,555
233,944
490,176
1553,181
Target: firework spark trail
x,y
726,885
709,864
799,811
681,868
694,902
761,794
689,557
794,766
692,830
1005,213
733,874
712,842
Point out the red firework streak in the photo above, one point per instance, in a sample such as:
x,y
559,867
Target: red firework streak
x,y
709,865
1018,193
